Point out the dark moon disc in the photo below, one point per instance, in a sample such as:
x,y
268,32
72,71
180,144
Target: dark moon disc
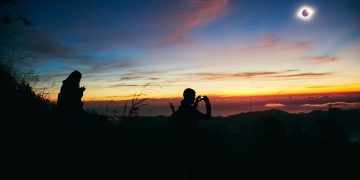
x,y
305,13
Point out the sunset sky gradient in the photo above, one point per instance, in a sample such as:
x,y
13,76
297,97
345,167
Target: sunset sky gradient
x,y
217,47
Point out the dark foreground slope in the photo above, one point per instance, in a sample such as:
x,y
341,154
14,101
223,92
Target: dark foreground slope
x,y
39,142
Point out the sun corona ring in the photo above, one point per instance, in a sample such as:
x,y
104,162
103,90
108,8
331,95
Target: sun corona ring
x,y
305,13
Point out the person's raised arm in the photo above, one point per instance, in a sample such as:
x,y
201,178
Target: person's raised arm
x,y
197,100
81,91
208,107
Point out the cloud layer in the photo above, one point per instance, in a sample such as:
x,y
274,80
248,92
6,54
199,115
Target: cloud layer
x,y
198,13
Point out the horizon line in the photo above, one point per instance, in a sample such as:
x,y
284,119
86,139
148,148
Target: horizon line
x,y
219,96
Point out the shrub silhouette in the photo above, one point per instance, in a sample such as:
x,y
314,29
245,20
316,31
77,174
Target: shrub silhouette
x,y
129,112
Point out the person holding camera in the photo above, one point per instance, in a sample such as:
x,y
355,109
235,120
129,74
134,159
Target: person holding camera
x,y
69,98
184,129
184,121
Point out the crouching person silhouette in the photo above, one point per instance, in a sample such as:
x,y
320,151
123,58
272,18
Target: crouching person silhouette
x,y
184,129
69,98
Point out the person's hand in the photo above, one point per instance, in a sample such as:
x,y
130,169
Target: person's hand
x,y
82,88
198,99
206,99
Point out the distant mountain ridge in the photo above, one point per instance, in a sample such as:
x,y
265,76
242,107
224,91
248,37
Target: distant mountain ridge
x,y
245,122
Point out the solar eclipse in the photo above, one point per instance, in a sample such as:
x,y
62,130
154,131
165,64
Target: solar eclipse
x,y
305,13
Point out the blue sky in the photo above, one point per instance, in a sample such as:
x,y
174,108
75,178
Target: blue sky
x,y
220,47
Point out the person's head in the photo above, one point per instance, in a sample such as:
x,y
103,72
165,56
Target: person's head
x,y
189,96
75,76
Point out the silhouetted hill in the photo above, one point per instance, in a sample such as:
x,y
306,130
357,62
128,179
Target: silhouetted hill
x,y
346,116
247,120
260,114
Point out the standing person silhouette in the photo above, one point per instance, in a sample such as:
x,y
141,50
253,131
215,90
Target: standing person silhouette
x,y
184,127
69,98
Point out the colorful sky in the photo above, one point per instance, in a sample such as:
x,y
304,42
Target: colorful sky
x,y
217,47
